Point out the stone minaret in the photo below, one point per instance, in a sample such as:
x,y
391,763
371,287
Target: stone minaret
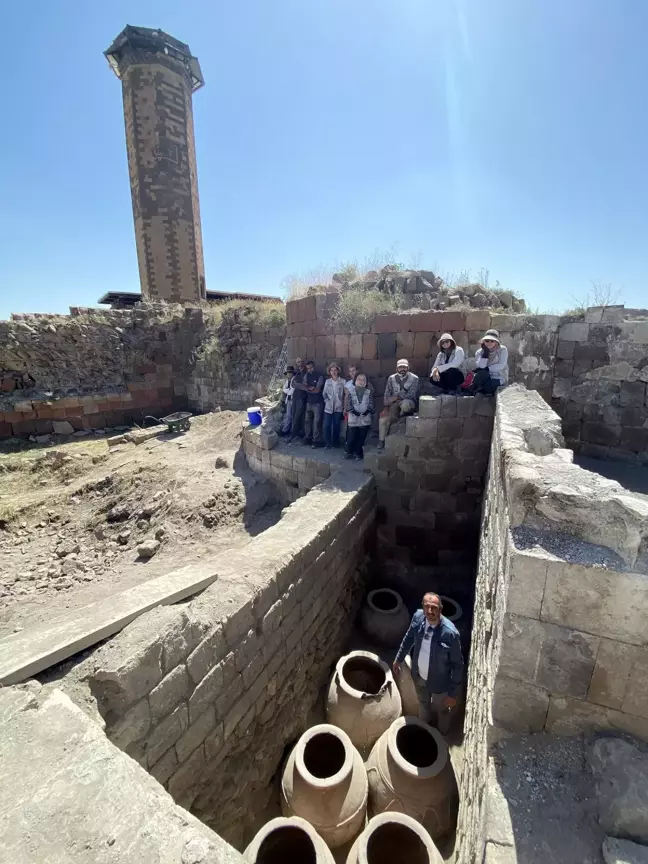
x,y
159,76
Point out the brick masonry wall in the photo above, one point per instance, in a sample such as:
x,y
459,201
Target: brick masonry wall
x,y
206,695
429,481
600,384
559,643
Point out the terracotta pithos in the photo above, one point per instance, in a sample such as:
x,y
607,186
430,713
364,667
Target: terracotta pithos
x,y
391,838
451,610
384,617
409,770
406,688
288,839
363,698
325,782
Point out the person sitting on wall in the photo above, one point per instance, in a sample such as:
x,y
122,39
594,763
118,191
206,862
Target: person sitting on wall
x,y
333,394
360,408
298,401
447,373
286,399
314,382
437,662
492,365
401,394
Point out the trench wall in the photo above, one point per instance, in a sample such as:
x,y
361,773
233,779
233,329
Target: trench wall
x,y
559,641
206,695
429,481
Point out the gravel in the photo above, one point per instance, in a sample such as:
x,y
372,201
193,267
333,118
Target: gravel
x,y
564,547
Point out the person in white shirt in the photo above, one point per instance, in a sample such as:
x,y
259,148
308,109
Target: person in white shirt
x,y
288,391
333,394
492,365
447,372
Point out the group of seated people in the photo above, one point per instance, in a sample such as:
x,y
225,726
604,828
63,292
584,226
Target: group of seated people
x,y
321,411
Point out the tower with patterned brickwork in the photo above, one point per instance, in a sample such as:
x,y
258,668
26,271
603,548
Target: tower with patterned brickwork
x,y
159,76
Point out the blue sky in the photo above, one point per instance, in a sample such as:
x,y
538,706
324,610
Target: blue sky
x,y
505,134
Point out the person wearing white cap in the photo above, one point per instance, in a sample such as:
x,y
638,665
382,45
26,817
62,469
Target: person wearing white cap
x,y
401,394
492,365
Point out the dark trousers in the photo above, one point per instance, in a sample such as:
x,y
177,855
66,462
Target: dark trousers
x,y
313,422
450,380
332,429
355,439
297,425
483,383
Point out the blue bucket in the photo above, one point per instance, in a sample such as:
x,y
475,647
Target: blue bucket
x,y
254,416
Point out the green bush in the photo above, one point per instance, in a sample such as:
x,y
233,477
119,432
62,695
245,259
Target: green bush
x,y
357,308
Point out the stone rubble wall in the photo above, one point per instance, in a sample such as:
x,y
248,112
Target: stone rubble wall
x,y
207,694
591,369
430,480
98,368
559,641
600,384
69,794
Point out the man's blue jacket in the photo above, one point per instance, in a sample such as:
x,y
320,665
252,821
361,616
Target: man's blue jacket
x,y
445,672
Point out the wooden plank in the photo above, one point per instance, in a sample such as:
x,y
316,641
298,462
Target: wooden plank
x,y
36,648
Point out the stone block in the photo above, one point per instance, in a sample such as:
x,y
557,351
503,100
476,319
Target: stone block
x,y
166,734
171,690
450,428
479,320
238,624
419,428
527,586
396,445
195,734
574,332
387,350
132,726
62,427
565,350
423,345
600,433
522,640
214,742
355,346
165,766
429,408
369,346
452,321
614,664
484,406
426,322
342,347
206,692
448,406
206,655
595,600
566,661
636,695
405,344
518,706
465,406
182,785
635,440
617,851
620,769
389,323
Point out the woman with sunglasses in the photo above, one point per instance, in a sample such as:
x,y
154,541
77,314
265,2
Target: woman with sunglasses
x,y
492,365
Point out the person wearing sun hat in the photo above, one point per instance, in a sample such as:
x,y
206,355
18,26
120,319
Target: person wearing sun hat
x,y
401,394
447,373
492,365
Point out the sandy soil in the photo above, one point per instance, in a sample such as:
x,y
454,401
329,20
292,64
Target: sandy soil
x,y
73,515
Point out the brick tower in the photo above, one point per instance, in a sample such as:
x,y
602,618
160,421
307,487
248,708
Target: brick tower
x,y
159,76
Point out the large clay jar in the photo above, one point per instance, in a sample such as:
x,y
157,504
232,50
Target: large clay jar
x,y
284,840
363,698
406,688
384,617
409,770
452,610
325,782
391,838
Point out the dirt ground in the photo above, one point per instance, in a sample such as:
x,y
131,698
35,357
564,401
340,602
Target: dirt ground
x,y
73,515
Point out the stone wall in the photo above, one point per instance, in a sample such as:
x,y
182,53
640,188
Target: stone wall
x,y
592,367
429,480
559,642
95,368
600,378
206,695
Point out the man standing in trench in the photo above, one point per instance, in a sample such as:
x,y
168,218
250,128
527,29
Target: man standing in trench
x,y
437,662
